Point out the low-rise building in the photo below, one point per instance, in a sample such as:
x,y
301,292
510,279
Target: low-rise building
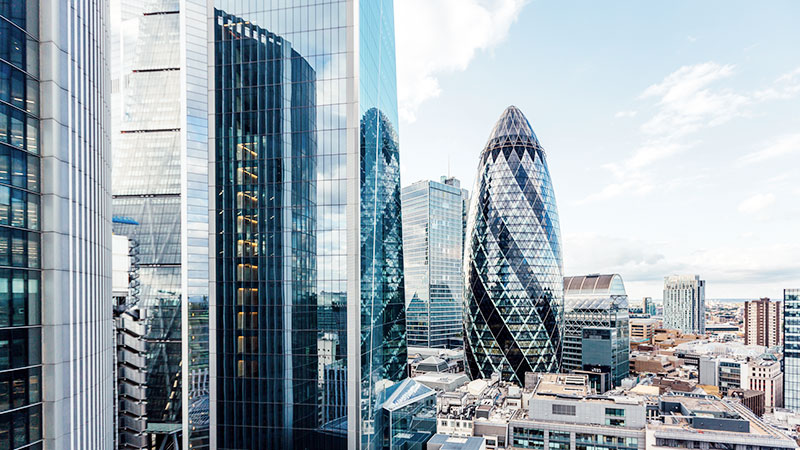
x,y
766,375
706,422
642,331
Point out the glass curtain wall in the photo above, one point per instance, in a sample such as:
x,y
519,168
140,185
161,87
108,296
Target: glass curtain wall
x,y
20,275
791,348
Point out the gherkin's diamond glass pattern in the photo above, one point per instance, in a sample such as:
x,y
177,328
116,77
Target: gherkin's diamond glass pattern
x,y
513,263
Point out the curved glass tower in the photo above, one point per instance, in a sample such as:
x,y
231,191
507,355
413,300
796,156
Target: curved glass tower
x,y
513,264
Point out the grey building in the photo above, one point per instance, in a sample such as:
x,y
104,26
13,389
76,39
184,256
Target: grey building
x,y
706,422
56,325
596,325
563,414
685,303
791,349
433,233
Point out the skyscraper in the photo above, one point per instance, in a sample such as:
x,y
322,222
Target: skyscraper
x,y
791,349
596,329
685,303
763,323
307,302
55,228
433,234
513,266
160,138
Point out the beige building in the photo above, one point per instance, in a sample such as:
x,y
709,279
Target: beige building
x,y
642,330
763,323
766,376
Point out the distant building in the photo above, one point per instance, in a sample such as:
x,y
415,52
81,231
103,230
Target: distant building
x,y
685,303
433,249
649,306
791,349
596,325
765,375
763,323
642,331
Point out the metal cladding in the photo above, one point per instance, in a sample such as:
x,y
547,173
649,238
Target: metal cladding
x,y
513,264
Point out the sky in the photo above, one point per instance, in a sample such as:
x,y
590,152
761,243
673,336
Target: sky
x,y
672,129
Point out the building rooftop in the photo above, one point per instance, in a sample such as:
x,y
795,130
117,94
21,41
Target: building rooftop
x,y
594,284
445,442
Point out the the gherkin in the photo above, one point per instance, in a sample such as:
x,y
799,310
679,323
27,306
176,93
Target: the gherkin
x,y
513,266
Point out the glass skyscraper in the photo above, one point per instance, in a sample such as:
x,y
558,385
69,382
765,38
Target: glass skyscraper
x,y
55,287
433,233
160,191
513,267
596,303
791,349
307,305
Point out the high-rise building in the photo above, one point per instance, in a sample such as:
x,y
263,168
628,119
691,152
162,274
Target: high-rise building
x,y
791,349
56,348
433,234
307,304
513,267
596,330
763,323
160,186
766,376
685,303
648,306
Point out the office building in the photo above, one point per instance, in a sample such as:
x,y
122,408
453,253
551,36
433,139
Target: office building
x,y
766,375
306,234
699,421
685,303
649,306
564,414
433,249
763,323
56,347
642,331
513,266
791,349
596,325
160,193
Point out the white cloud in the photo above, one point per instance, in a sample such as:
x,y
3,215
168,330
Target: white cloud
x,y
623,114
686,101
436,37
782,146
785,87
756,203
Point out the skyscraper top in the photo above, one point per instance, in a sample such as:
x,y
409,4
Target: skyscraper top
x,y
513,123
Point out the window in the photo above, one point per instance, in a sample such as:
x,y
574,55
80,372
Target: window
x,y
617,412
564,410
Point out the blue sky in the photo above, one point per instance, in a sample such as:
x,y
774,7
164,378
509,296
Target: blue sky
x,y
672,129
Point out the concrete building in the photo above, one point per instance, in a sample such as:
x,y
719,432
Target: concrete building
x,y
763,323
766,375
445,442
705,422
642,331
685,303
563,414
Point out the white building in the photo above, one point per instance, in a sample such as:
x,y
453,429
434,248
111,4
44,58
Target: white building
x,y
765,375
685,303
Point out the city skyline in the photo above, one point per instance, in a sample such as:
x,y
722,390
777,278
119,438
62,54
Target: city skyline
x,y
703,123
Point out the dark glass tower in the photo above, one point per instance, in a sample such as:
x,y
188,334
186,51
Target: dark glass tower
x,y
513,264
307,317
266,268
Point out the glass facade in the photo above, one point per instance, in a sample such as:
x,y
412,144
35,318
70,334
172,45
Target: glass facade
x,y
433,255
598,302
20,232
791,349
513,259
146,188
304,135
